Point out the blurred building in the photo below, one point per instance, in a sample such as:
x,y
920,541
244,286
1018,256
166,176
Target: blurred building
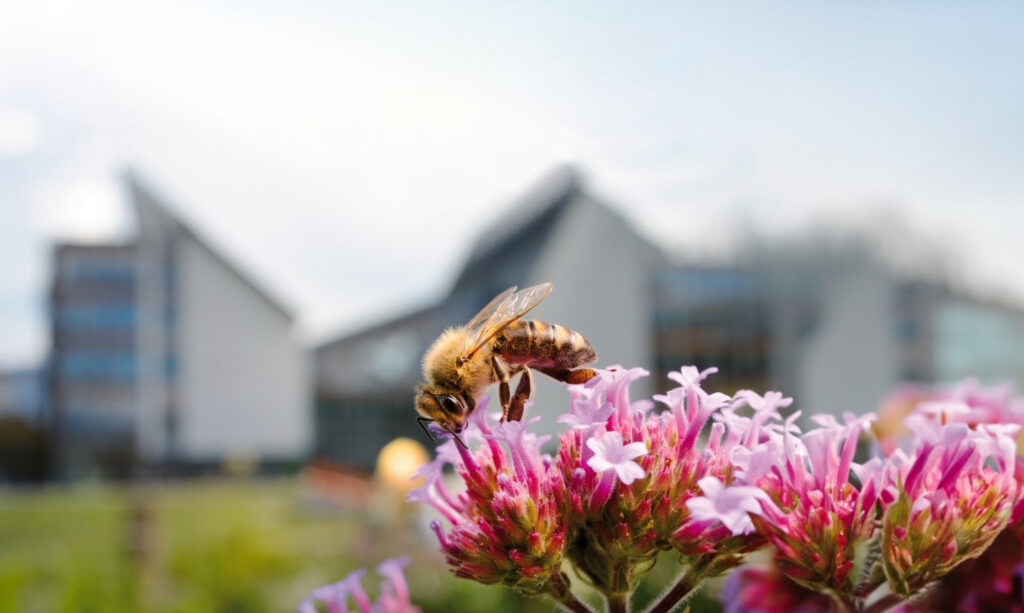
x,y
21,394
167,358
835,329
834,326
93,363
558,232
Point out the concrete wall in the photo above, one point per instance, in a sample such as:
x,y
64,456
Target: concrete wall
x,y
242,385
850,360
153,390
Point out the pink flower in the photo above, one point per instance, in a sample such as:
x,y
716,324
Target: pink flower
x,y
966,402
394,596
610,453
946,503
614,384
714,477
689,377
727,505
336,595
586,414
507,525
628,480
990,582
798,494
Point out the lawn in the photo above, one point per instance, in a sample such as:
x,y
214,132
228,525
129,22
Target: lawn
x,y
212,546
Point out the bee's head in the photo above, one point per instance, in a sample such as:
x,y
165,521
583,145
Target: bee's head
x,y
446,408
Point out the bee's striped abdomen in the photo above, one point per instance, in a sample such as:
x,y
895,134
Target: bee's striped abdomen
x,y
542,344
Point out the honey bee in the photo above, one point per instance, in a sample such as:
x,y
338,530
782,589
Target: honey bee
x,y
493,347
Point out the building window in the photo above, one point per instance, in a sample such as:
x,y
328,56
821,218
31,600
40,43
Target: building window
x,y
101,316
88,365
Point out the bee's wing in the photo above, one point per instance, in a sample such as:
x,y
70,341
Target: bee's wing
x,y
500,312
486,312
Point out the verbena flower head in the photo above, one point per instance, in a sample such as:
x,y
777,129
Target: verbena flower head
x,y
630,473
993,581
714,477
335,597
966,402
799,494
947,501
914,415
507,525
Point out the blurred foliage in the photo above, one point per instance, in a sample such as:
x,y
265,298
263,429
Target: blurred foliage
x,y
224,547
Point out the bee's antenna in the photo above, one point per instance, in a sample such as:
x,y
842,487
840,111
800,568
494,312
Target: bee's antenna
x,y
426,420
457,438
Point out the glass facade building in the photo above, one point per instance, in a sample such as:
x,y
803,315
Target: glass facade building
x,y
93,360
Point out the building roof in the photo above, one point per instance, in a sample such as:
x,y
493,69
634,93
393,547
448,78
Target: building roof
x,y
497,260
410,320
153,210
504,255
509,247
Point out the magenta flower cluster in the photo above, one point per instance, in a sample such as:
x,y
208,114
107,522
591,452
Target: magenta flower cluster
x,y
938,510
612,498
335,597
714,477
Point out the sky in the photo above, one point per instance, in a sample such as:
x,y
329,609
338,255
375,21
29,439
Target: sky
x,y
348,154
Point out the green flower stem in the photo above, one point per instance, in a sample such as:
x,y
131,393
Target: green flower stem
x,y
687,583
559,590
574,605
618,603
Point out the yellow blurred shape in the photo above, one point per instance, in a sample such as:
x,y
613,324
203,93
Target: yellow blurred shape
x,y
240,464
397,461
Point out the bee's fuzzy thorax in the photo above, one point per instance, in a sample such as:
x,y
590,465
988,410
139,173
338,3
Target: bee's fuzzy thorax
x,y
440,358
439,362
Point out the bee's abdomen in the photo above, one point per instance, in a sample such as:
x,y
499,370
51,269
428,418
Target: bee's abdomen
x,y
538,343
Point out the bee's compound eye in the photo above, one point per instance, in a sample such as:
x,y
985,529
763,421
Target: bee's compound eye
x,y
450,404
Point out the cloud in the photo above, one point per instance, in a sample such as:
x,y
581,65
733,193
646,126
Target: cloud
x,y
20,132
87,210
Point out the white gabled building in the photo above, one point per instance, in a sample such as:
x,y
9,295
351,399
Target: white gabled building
x,y
221,374
208,367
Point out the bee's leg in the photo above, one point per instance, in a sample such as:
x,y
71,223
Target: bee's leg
x,y
501,376
523,392
565,375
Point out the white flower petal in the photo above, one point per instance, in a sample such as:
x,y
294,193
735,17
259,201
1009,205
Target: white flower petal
x,y
701,508
711,486
634,450
629,472
739,524
599,464
612,440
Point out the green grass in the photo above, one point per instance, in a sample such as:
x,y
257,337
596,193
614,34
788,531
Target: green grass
x,y
217,546
213,547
